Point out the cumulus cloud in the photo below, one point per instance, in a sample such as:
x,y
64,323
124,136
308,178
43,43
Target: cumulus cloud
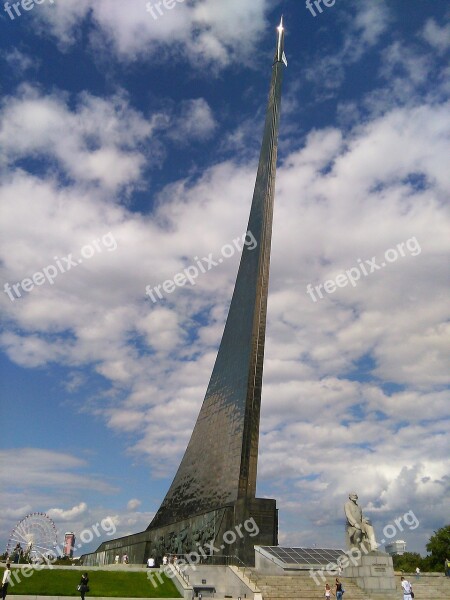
x,y
133,504
319,209
195,121
438,37
331,195
98,142
60,514
207,31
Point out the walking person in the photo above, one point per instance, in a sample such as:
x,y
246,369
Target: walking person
x,y
339,589
407,589
84,585
6,579
327,591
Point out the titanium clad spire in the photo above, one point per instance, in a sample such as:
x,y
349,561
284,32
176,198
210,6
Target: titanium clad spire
x,y
219,466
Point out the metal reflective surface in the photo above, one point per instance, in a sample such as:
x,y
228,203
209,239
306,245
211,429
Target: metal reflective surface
x,y
220,463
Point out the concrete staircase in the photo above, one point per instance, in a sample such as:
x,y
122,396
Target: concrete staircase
x,y
301,586
429,586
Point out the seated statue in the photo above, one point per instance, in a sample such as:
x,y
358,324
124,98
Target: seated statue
x,y
359,529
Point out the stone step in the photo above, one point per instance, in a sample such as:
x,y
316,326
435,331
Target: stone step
x,y
310,597
315,593
304,593
300,586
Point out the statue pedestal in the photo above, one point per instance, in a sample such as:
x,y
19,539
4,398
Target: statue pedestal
x,y
372,572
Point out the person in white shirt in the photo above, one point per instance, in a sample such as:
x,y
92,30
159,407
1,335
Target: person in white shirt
x,y
407,589
5,581
150,563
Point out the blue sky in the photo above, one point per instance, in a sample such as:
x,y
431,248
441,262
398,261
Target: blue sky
x,y
130,144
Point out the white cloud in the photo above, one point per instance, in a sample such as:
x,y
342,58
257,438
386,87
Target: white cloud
x,y
44,474
195,121
16,514
371,21
365,24
60,514
133,504
209,31
19,62
98,142
36,468
438,37
323,224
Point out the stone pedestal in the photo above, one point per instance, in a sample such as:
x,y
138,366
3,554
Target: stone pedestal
x,y
372,572
232,530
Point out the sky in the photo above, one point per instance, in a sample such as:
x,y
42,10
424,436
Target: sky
x,y
129,147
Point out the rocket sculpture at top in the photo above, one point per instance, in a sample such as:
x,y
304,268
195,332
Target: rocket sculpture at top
x,y
280,56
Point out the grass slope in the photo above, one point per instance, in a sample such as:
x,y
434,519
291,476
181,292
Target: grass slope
x,y
113,584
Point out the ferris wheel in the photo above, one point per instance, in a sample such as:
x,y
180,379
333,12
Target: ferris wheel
x,y
34,536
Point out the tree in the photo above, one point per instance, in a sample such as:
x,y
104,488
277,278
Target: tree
x,y
439,547
407,562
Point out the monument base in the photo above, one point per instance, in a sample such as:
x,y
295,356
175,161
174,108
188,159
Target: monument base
x,y
372,572
233,530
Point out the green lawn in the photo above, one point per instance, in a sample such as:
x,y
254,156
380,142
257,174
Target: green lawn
x,y
115,584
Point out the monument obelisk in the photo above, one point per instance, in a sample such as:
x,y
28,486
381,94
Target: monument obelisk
x,y
214,489
225,436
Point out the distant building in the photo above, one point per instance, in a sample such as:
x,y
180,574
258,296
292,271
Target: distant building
x,y
396,548
69,543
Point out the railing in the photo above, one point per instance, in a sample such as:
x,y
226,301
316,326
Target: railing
x,y
192,559
181,573
195,558
242,566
